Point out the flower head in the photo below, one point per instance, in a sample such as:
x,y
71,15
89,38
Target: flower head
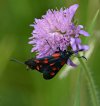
x,y
56,29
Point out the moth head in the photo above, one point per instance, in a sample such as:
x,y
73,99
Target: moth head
x,y
30,64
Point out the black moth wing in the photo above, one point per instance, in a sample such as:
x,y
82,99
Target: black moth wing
x,y
49,65
42,64
52,69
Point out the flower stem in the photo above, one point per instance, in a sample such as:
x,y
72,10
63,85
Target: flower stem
x,y
92,88
77,95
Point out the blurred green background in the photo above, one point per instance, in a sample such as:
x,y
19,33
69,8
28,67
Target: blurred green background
x,y
19,87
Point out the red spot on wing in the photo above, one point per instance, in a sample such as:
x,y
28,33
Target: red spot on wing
x,y
52,73
54,68
52,64
37,61
37,67
56,55
45,60
63,62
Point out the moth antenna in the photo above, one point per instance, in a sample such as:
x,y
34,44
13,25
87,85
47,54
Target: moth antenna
x,y
17,61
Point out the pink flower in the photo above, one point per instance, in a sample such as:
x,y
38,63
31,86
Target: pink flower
x,y
56,29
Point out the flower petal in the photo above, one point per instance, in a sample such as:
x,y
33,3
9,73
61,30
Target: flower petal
x,y
72,10
85,47
73,44
78,40
57,29
83,33
69,62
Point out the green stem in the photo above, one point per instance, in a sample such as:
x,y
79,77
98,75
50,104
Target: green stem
x,y
77,95
92,88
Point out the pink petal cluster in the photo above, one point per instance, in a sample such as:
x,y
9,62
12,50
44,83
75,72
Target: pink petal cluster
x,y
56,29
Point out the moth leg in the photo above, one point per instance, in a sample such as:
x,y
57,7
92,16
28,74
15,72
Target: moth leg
x,y
82,57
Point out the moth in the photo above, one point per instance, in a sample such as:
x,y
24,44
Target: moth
x,y
49,66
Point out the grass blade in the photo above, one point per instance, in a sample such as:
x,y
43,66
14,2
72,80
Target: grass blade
x,y
92,88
